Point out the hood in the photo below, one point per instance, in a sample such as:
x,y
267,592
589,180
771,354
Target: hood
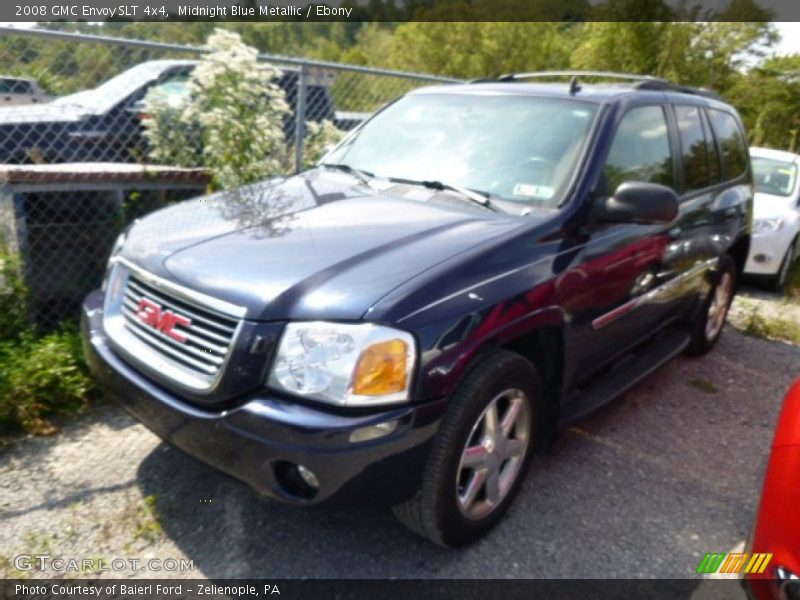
x,y
42,113
308,247
767,205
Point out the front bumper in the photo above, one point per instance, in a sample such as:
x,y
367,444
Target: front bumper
x,y
264,432
767,252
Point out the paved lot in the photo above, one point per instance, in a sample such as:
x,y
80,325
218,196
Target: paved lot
x,y
643,488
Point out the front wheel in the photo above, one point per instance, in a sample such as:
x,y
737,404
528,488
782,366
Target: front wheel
x,y
480,454
707,325
778,282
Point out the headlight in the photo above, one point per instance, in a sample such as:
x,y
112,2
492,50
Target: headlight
x,y
115,250
767,225
346,364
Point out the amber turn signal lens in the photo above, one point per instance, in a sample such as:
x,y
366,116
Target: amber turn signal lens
x,y
382,369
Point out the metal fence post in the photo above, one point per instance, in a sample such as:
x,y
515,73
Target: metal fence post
x,y
300,118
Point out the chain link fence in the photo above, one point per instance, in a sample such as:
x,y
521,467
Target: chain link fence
x,y
73,150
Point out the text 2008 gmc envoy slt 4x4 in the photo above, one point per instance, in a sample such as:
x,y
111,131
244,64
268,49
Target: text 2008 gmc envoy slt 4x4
x,y
410,321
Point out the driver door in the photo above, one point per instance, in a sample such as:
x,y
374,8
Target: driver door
x,y
614,298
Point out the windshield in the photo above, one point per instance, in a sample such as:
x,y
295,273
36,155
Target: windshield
x,y
116,89
774,177
174,91
519,148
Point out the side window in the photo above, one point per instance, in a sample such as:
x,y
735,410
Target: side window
x,y
693,147
731,141
21,87
640,150
714,165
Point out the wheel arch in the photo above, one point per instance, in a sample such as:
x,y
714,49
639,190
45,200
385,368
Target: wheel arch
x,y
544,348
539,339
739,251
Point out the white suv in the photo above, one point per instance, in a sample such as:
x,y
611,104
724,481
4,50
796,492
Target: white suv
x,y
776,215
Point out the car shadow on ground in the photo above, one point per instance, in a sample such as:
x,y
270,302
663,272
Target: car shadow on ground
x,y
230,531
644,488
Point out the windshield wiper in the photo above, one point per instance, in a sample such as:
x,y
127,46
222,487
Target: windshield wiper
x,y
363,176
481,198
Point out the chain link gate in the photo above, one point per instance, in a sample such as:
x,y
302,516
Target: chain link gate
x,y
69,101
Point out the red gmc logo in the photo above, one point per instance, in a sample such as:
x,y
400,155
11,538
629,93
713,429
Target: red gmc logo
x,y
163,320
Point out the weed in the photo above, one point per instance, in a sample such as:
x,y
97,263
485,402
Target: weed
x,y
704,385
148,521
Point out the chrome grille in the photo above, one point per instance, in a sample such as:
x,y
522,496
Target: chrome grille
x,y
209,337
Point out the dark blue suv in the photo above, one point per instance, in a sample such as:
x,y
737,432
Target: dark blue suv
x,y
412,320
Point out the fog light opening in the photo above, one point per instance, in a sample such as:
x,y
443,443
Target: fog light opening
x,y
296,480
762,258
308,476
372,432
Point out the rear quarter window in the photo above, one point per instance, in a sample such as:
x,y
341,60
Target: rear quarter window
x,y
731,142
694,151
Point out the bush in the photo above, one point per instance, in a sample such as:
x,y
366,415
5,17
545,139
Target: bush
x,y
41,377
13,299
232,120
319,138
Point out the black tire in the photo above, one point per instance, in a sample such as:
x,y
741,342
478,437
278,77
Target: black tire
x,y
435,511
702,341
779,280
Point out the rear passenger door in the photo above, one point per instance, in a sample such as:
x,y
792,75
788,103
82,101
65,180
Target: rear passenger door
x,y
703,228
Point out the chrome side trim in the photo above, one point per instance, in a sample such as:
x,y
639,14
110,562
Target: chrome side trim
x,y
634,303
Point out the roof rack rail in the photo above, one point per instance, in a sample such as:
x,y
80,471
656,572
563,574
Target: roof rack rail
x,y
557,74
667,86
640,82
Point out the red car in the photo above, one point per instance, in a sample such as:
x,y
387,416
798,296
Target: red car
x,y
777,529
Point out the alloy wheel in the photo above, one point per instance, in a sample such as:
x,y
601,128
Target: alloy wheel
x,y
718,307
494,454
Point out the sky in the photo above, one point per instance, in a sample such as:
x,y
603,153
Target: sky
x,y
790,38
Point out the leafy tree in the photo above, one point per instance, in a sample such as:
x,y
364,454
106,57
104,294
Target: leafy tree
x,y
487,49
768,97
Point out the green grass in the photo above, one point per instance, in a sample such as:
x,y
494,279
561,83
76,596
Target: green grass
x,y
704,385
147,520
780,328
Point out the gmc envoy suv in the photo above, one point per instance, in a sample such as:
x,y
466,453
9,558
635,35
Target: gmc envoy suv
x,y
413,319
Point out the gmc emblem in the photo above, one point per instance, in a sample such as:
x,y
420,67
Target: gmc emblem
x,y
163,320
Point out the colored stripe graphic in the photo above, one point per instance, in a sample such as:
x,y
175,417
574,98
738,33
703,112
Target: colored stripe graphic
x,y
713,562
734,562
758,563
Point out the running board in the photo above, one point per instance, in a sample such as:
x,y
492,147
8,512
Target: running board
x,y
617,381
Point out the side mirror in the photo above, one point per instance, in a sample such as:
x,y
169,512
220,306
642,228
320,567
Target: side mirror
x,y
638,202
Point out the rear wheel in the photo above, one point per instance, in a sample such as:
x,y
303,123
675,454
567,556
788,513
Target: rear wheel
x,y
707,326
480,454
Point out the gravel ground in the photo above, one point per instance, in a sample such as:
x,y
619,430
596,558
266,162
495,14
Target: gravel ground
x,y
643,488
